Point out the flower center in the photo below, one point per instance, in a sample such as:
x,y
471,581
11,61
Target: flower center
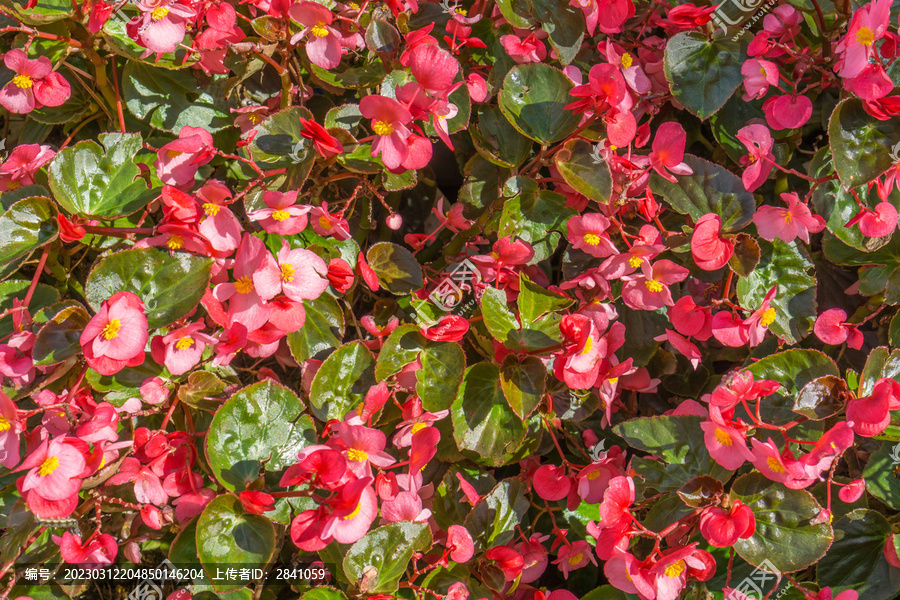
x,y
319,30
788,217
418,427
254,118
591,238
4,424
211,209
653,285
774,465
48,466
11,185
357,455
184,343
159,13
382,128
722,437
613,380
280,215
675,569
593,475
462,12
627,61
574,560
23,81
324,222
112,329
635,262
243,285
588,345
762,71
173,153
768,317
287,273
354,513
865,36
176,242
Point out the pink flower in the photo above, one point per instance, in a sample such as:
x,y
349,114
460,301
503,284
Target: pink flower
x,y
115,337
727,445
15,358
325,144
876,223
96,553
691,320
460,544
617,501
758,76
363,447
828,448
870,415
324,44
283,215
10,428
612,14
148,487
219,225
668,151
389,119
574,556
527,50
789,223
433,68
246,303
710,250
355,509
739,387
508,560
649,289
177,162
759,163
780,467
869,24
551,483
161,26
628,574
787,112
730,329
588,233
757,323
871,84
21,165
722,528
55,469
33,86
181,349
832,328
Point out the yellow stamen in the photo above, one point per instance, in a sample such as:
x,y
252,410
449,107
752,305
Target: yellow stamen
x,y
418,427
287,273
353,5
762,71
357,455
280,215
184,343
159,13
591,238
462,11
48,466
865,36
768,317
243,285
4,424
653,285
593,475
574,560
613,380
254,118
175,242
723,438
635,262
588,345
319,30
11,185
112,329
211,209
627,61
774,465
788,217
355,512
382,128
675,569
23,81
324,222
173,153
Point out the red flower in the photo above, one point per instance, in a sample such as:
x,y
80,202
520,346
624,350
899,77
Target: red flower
x,y
710,250
451,328
509,561
115,337
722,528
326,144
256,502
551,483
340,275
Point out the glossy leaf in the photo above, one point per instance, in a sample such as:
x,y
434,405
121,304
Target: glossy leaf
x,y
583,168
322,332
793,369
492,522
523,383
388,551
822,397
396,268
27,225
342,381
703,73
533,99
59,338
882,474
860,144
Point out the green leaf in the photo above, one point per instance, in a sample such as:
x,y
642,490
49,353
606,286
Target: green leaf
x,y
860,144
538,218
278,143
175,99
226,535
100,182
171,285
882,474
27,224
59,338
396,268
533,100
322,332
382,37
535,302
16,289
607,592
258,427
504,326
784,535
703,73
523,383
202,390
793,369
369,75
564,25
711,189
641,329
341,383
497,140
323,593
492,522
388,551
517,12
577,163
856,559
787,266
484,426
